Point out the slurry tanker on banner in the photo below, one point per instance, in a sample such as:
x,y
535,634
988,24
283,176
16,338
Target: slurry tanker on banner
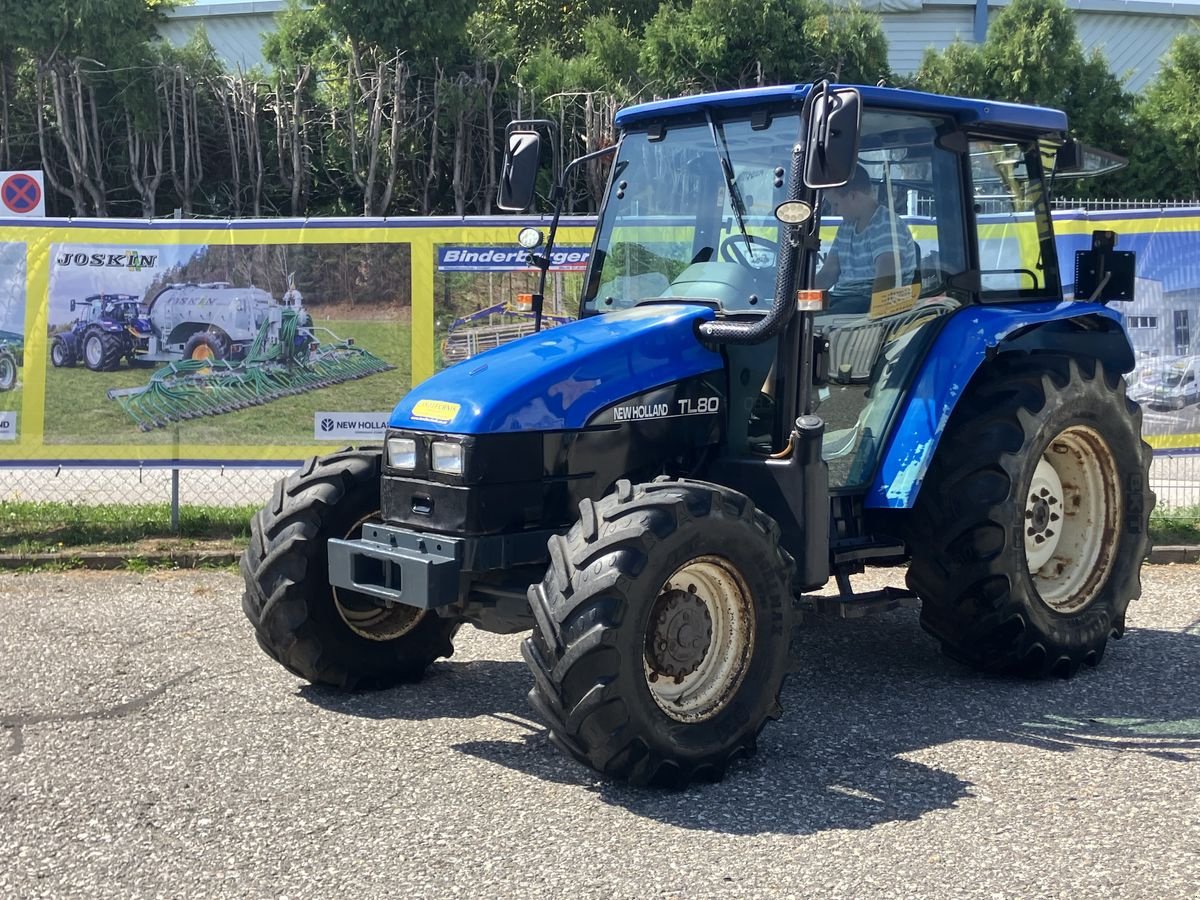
x,y
260,341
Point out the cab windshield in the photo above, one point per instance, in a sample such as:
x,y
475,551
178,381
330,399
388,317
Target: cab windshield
x,y
674,224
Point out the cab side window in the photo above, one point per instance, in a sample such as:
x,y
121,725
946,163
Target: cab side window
x,y
1017,256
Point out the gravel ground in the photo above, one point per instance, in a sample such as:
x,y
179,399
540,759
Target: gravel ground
x,y
149,748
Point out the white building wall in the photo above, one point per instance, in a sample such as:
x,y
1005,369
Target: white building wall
x,y
910,34
1133,45
235,30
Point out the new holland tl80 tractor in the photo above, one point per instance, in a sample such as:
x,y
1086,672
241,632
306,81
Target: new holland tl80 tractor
x,y
822,328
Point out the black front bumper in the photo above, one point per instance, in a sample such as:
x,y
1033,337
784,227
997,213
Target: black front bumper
x,y
427,571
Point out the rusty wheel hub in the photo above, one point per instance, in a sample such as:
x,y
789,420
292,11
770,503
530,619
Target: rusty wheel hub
x,y
681,634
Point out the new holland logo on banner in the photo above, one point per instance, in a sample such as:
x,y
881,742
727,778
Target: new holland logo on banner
x,y
506,259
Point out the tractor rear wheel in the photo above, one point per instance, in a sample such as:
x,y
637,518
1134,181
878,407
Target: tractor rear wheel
x,y
8,369
62,352
324,634
102,350
207,345
1031,527
662,632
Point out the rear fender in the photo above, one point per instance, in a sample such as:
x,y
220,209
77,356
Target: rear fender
x,y
972,336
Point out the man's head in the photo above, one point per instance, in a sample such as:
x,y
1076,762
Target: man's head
x,y
856,200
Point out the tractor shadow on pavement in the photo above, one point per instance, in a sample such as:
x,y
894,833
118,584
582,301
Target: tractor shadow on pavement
x,y
452,689
866,694
863,697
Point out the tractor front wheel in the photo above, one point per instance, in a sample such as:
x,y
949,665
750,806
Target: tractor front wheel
x,y
324,634
662,632
1031,527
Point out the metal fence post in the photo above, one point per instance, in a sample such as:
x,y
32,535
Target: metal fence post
x,y
175,501
175,469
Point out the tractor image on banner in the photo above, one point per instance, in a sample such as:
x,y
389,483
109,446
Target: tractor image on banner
x,y
805,345
189,332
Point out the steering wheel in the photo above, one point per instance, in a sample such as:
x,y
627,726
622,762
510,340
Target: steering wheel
x,y
733,249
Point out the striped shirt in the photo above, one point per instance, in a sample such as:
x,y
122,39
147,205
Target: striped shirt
x,y
857,252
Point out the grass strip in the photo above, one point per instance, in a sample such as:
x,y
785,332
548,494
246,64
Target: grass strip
x,y
48,527
53,527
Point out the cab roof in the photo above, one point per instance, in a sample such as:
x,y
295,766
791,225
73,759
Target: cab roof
x,y
966,112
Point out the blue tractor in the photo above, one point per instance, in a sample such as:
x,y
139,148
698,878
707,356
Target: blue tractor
x,y
103,334
822,328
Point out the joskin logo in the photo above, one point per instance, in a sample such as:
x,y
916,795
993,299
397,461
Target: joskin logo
x,y
133,260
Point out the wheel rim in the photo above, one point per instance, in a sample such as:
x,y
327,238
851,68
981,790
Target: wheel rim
x,y
699,639
94,351
56,354
8,373
364,616
202,352
1071,515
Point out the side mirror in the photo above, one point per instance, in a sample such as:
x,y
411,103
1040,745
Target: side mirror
x,y
72,306
518,175
831,144
1068,157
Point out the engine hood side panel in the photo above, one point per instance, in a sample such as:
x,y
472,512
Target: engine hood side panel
x,y
560,378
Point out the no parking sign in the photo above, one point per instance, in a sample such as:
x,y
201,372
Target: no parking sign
x,y
22,194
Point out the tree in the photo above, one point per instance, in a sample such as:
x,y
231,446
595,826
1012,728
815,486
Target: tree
x,y
83,54
1166,157
424,30
1032,54
532,25
717,44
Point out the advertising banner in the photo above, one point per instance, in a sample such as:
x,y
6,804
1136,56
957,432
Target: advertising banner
x,y
239,342
134,343
1163,320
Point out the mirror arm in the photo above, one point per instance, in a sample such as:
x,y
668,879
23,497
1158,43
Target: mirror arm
x,y
542,260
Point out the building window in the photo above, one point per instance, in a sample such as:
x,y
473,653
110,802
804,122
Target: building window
x,y
1183,337
1143,321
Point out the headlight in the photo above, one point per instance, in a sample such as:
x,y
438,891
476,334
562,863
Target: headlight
x,y
402,453
447,458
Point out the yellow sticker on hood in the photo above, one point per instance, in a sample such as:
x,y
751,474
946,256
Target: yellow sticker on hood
x,y
441,412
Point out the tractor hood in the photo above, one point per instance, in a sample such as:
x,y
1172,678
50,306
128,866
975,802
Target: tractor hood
x,y
560,378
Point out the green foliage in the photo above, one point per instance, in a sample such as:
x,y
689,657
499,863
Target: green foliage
x,y
303,36
534,24
1033,55
112,32
422,29
608,61
307,135
716,44
1166,157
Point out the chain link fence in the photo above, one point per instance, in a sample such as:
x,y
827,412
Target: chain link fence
x,y
51,508
38,504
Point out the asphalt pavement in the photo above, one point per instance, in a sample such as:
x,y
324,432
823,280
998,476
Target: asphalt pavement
x,y
148,748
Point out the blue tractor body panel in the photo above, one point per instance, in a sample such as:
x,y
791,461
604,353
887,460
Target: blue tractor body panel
x,y
560,378
962,110
957,353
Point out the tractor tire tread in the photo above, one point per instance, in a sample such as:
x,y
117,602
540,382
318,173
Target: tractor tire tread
x,y
286,606
576,608
963,556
